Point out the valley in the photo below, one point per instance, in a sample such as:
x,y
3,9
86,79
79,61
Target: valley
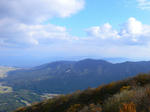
x,y
4,70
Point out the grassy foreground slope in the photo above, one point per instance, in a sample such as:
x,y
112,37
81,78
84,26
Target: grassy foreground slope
x,y
130,95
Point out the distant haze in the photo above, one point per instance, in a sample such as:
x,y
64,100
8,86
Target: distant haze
x,y
31,62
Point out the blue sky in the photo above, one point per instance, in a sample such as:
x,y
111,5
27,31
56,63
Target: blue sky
x,y
98,12
36,31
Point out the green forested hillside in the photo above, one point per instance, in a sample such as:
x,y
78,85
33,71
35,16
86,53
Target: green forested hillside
x,y
130,95
66,76
61,77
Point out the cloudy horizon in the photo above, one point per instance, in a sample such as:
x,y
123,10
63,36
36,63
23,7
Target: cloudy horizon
x,y
37,31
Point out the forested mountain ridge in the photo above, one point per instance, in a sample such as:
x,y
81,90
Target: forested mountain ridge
x,y
68,76
130,95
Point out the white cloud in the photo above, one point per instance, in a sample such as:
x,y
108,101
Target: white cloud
x,y
103,32
21,21
132,32
133,27
38,10
19,34
144,4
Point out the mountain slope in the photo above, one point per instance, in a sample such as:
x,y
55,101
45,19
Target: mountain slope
x,y
4,70
12,100
68,76
130,95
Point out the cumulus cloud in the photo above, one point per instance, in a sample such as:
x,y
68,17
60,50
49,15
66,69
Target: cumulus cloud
x,y
38,10
131,40
17,34
21,21
103,32
131,32
14,33
144,4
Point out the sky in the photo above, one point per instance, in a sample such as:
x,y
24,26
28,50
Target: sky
x,y
39,31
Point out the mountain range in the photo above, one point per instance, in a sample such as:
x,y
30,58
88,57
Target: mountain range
x,y
67,76
21,87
